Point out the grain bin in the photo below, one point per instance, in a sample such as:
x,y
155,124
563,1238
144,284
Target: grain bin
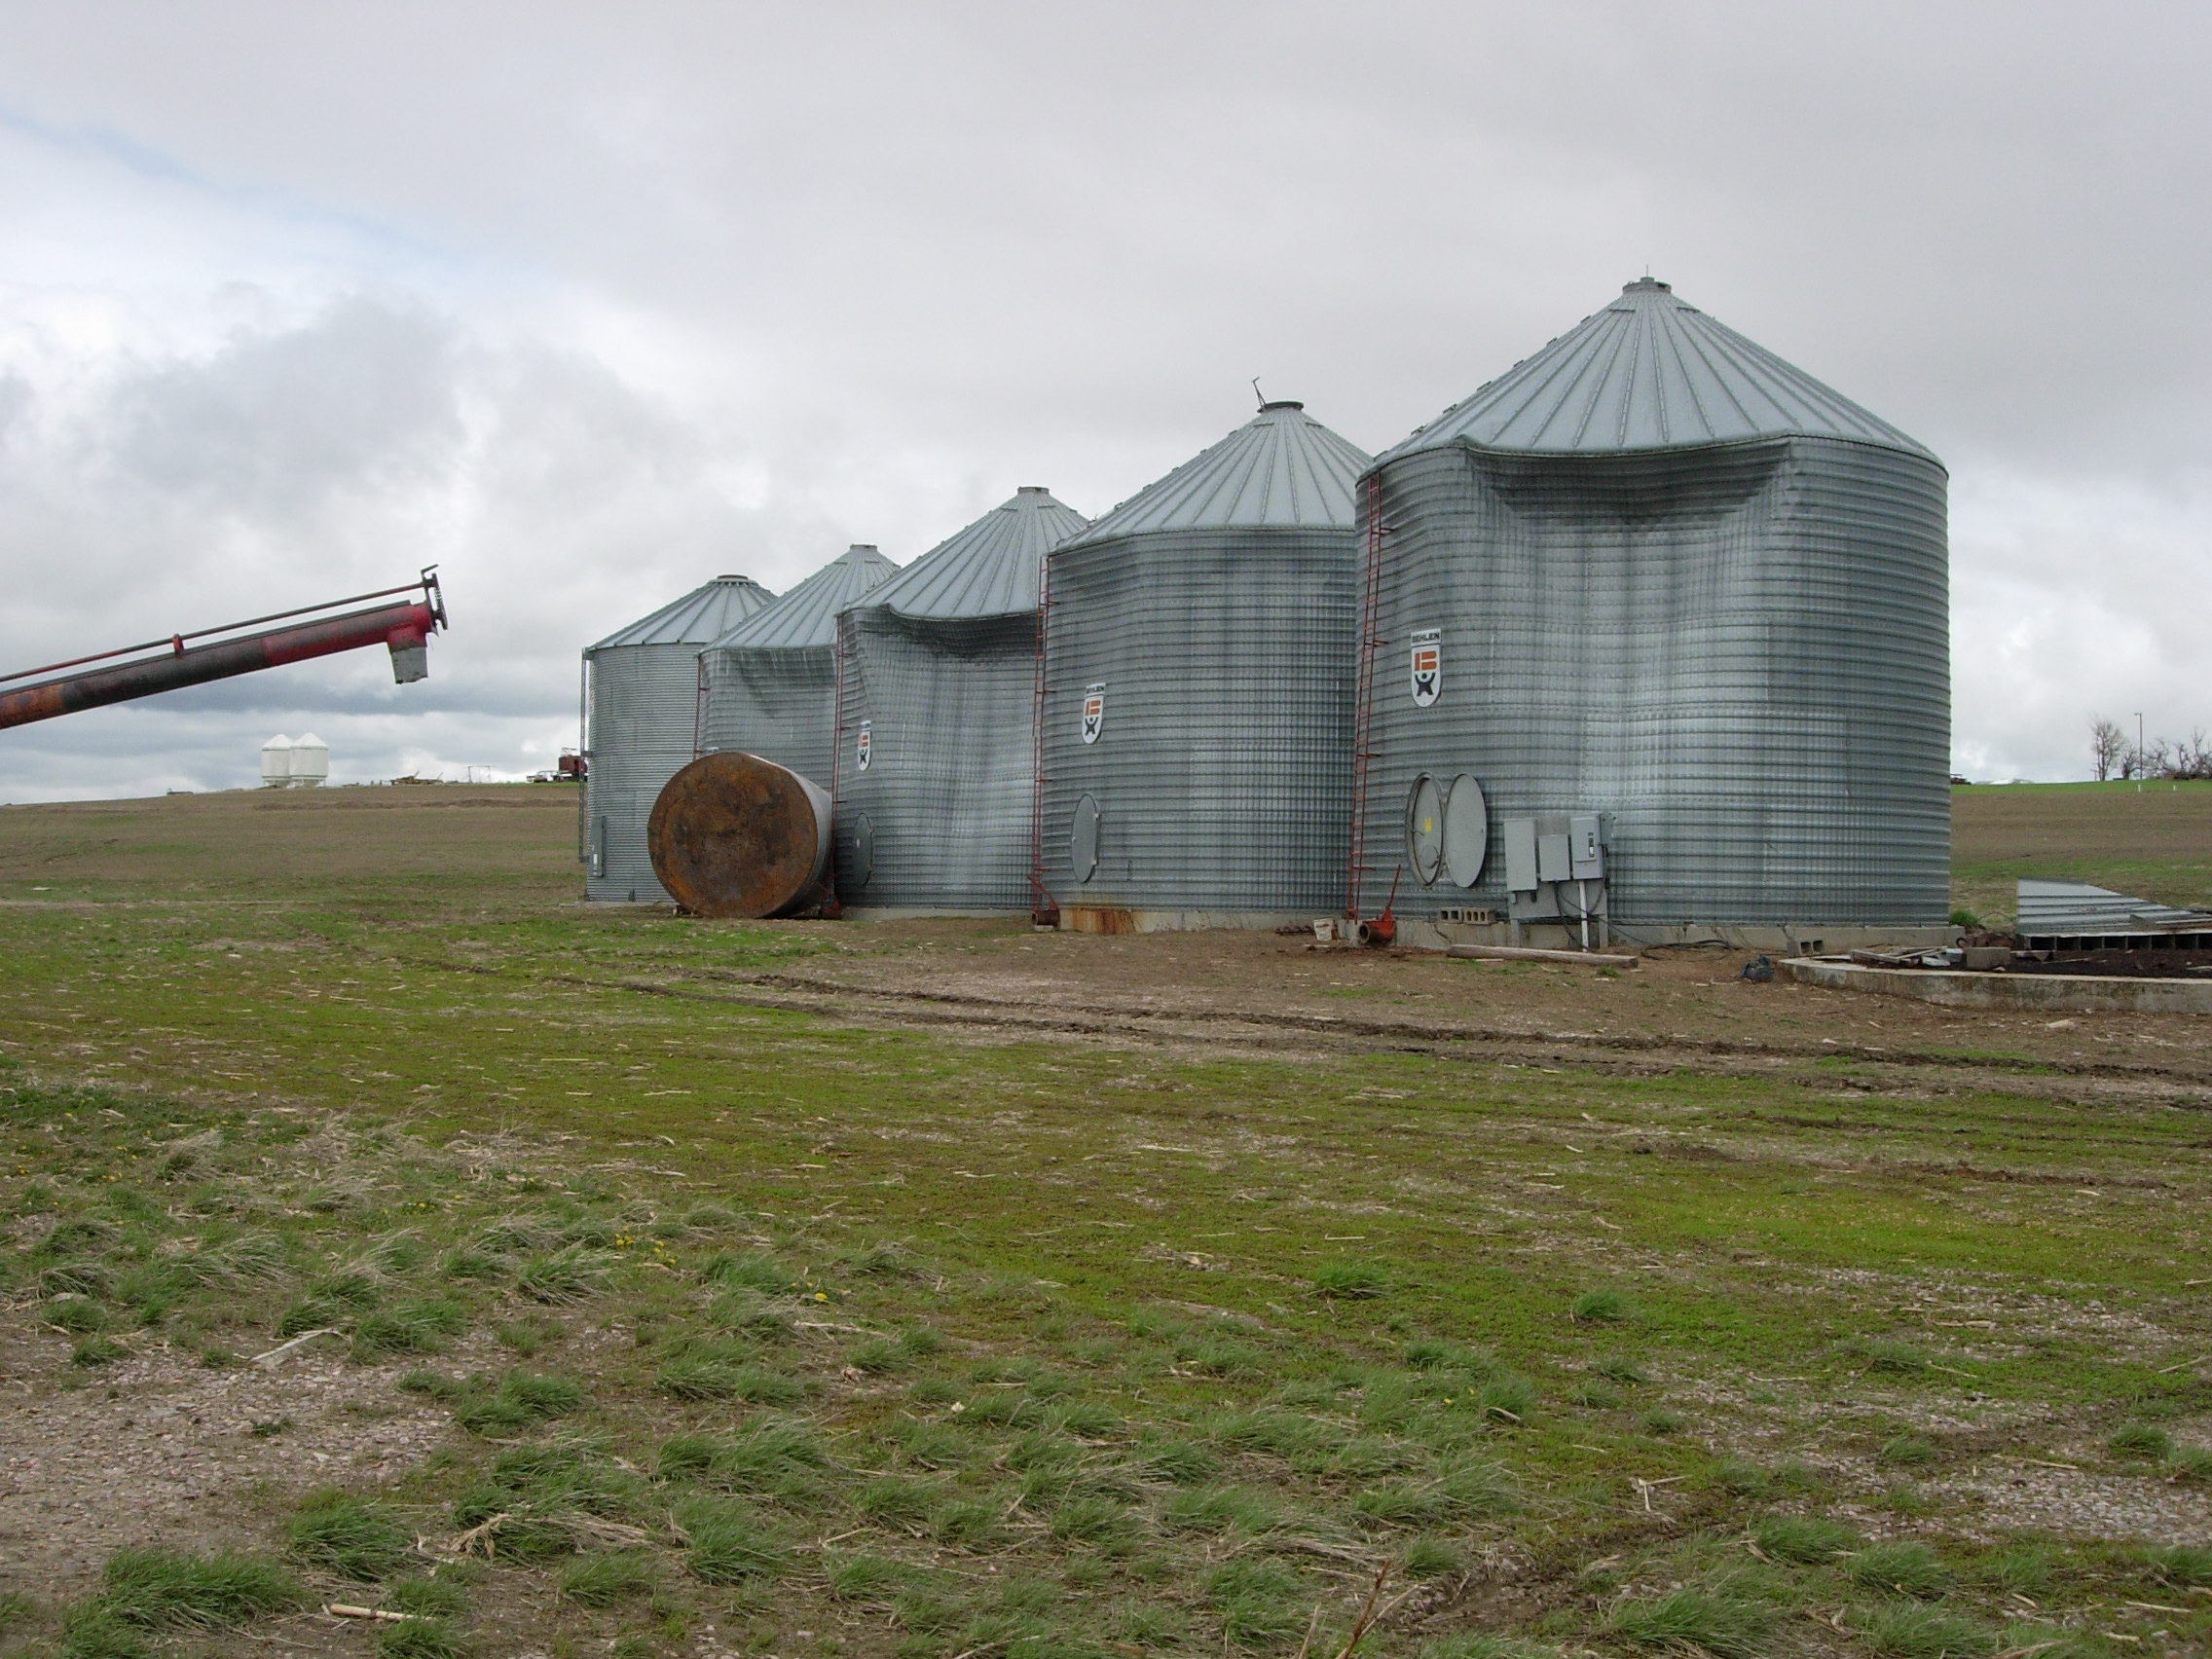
x,y
640,707
1198,688
769,686
1656,587
937,708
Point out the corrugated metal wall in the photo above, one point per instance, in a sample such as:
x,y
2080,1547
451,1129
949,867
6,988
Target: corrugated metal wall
x,y
777,703
1741,650
639,696
1223,763
641,701
940,819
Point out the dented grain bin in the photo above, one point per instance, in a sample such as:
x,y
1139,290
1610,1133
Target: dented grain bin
x,y
768,686
641,703
1198,688
936,707
1679,613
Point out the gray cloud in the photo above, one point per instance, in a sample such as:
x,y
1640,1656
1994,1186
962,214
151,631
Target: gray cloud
x,y
328,457
286,428
296,299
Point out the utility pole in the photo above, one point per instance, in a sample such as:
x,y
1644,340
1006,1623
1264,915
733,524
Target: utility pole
x,y
2138,751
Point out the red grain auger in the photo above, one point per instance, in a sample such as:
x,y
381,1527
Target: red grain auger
x,y
171,664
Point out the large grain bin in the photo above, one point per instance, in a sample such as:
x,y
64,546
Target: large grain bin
x,y
1659,579
1198,688
641,704
769,686
938,710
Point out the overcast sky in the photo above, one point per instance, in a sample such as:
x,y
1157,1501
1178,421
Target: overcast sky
x,y
590,303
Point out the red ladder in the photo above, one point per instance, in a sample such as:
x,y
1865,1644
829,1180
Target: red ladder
x,y
699,708
832,906
1043,911
1363,703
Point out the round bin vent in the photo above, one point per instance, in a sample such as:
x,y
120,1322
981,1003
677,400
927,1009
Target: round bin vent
x,y
1466,831
1424,828
1083,839
864,849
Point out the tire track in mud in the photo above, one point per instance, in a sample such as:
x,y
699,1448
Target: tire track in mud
x,y
1349,1025
1268,1032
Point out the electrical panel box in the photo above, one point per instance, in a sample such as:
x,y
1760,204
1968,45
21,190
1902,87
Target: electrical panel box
x,y
1521,855
1554,872
1586,847
1541,906
1552,862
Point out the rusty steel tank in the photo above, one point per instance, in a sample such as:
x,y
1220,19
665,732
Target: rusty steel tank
x,y
734,835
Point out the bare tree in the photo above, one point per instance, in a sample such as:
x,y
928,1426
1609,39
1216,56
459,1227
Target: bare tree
x,y
2191,758
2139,762
2108,745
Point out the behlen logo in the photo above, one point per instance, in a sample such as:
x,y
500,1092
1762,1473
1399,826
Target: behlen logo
x,y
864,745
1093,711
1428,665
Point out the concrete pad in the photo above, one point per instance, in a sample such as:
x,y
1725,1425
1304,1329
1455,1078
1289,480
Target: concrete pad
x,y
2080,992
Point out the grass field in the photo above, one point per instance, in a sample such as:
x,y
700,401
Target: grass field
x,y
2154,841
953,1292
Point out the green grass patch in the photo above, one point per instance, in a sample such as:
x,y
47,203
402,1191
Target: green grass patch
x,y
1719,1619
609,1579
1908,1631
1601,1307
341,1534
165,1589
517,1401
1350,1281
2187,1566
425,1326
1903,1567
1261,1603
454,1111
421,1639
1803,1539
724,1544
2141,1440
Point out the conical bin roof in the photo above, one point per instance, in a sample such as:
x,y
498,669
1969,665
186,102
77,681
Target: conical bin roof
x,y
807,615
704,614
1281,470
1650,372
991,567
